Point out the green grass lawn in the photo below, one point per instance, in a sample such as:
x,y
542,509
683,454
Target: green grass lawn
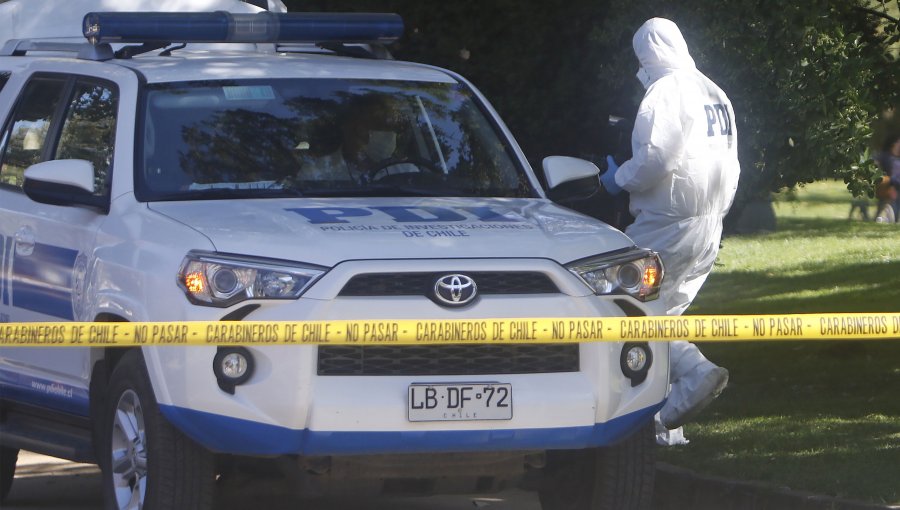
x,y
821,416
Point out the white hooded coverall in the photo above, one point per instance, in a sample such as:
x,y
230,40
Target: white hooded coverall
x,y
683,174
684,170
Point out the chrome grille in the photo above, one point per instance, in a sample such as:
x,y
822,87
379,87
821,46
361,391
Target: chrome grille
x,y
448,359
421,284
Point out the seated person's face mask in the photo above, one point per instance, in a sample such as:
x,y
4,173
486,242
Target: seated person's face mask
x,y
381,145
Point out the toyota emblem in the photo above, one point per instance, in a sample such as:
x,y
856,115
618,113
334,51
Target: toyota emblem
x,y
455,290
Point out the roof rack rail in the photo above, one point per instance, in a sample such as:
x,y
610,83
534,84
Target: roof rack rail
x,y
82,50
356,50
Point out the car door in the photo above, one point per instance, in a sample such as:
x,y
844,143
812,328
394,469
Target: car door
x,y
45,248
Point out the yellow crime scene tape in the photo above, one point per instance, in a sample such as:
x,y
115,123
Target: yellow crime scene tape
x,y
696,328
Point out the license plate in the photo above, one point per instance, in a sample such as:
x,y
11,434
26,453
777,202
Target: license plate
x,y
459,401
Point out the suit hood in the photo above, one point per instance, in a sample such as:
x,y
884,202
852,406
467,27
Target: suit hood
x,y
661,49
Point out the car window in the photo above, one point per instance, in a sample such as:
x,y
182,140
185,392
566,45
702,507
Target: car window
x,y
89,129
24,139
87,132
321,137
4,77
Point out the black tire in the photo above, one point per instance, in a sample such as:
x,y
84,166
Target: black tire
x,y
8,458
618,477
161,466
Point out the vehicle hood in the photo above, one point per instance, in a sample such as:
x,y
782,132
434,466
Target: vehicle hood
x,y
329,231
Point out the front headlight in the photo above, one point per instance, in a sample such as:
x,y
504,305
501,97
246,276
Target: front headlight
x,y
637,273
213,279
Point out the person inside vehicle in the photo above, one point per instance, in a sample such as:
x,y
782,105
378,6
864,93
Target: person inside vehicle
x,y
368,134
682,179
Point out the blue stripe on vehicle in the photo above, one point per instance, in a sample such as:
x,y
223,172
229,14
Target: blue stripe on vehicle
x,y
42,282
243,437
43,393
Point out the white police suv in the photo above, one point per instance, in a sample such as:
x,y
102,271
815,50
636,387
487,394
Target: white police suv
x,y
236,165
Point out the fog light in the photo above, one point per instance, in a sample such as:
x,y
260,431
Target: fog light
x,y
636,358
232,366
635,361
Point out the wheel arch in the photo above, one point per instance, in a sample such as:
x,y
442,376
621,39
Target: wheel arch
x,y
100,373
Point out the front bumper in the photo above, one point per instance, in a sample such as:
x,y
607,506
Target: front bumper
x,y
244,437
287,408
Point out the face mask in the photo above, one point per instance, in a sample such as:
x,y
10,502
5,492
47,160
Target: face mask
x,y
643,77
381,145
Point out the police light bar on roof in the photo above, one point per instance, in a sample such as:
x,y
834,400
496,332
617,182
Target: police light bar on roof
x,y
221,26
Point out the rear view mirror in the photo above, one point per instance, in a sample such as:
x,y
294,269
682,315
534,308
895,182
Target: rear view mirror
x,y
62,182
560,169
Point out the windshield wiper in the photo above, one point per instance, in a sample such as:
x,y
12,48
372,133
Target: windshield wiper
x,y
288,191
414,191
387,190
237,193
373,190
393,190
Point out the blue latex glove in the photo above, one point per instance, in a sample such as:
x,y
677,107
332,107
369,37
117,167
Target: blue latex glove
x,y
609,177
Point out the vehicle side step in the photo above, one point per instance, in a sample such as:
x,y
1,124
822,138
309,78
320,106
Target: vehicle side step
x,y
47,433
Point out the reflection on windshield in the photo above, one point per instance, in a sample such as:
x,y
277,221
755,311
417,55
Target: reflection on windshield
x,y
321,137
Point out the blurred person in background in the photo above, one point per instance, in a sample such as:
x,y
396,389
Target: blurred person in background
x,y
888,189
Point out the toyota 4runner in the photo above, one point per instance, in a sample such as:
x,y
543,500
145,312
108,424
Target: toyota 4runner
x,y
244,165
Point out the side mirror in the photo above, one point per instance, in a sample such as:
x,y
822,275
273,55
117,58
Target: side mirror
x,y
560,169
62,182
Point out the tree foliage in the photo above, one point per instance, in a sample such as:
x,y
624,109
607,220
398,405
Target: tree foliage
x,y
807,78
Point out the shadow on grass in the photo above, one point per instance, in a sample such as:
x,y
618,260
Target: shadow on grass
x,y
816,198
822,414
858,287
871,444
813,228
818,193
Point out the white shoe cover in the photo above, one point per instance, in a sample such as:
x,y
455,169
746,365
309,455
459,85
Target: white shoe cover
x,y
666,437
691,393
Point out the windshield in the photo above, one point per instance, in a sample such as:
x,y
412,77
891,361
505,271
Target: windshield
x,y
321,137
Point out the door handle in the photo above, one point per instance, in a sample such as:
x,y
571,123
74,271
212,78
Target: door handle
x,y
24,241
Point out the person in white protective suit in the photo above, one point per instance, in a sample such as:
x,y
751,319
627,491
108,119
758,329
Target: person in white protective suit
x,y
682,178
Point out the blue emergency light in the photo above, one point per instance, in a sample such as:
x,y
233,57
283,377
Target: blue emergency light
x,y
221,26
